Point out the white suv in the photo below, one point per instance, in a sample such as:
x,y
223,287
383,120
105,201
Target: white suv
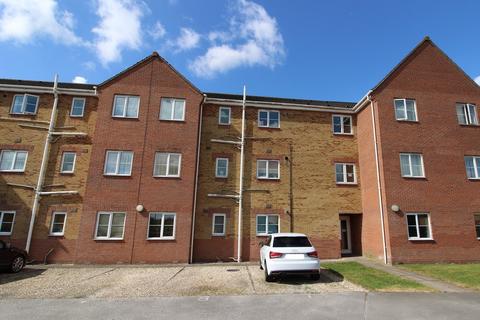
x,y
286,253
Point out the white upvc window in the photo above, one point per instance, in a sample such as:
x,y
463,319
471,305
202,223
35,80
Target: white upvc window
x,y
167,164
345,173
118,163
477,225
467,114
161,226
472,164
78,107
110,225
267,224
342,124
24,104
218,224
13,160
268,119
7,219
57,226
224,114
405,109
125,106
268,169
221,167
68,162
172,109
411,165
419,227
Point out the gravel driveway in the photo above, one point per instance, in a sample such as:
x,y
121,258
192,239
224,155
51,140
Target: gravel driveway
x,y
151,281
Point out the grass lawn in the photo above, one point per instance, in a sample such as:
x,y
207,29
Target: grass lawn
x,y
465,275
373,279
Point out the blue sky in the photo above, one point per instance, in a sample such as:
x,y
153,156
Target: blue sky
x,y
328,50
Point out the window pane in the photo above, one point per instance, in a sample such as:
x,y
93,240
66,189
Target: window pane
x,y
161,164
262,169
350,173
154,231
411,110
169,220
224,116
174,167
272,224
405,165
263,118
412,232
77,107
8,217
103,219
339,172
273,169
417,168
7,160
31,105
347,126
132,107
20,160
411,220
125,163
337,124
59,218
155,219
469,165
166,109
118,219
218,229
57,227
473,114
17,104
111,166
119,106
400,110
424,232
116,232
274,121
179,109
423,220
102,231
261,224
68,161
222,165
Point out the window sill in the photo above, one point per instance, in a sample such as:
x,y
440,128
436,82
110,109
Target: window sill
x,y
419,178
108,239
224,125
272,128
5,234
269,179
23,114
67,173
125,118
160,239
77,117
56,235
11,171
117,175
263,235
407,121
168,177
347,183
343,134
420,239
218,235
474,179
469,125
172,120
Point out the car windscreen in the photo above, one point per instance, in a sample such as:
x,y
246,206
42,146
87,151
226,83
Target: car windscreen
x,y
286,242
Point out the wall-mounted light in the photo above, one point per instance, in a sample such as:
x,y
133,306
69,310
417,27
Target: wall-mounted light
x,y
395,208
139,208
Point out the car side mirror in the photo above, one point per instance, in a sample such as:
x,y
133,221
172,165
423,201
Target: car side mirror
x,y
261,244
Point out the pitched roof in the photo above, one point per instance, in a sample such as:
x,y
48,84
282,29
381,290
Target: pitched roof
x,y
313,103
47,84
418,47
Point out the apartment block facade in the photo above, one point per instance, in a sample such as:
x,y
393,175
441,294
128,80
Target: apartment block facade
x,y
145,168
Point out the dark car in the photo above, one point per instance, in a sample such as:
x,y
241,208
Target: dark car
x,y
12,258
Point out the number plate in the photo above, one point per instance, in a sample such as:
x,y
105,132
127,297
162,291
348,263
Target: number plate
x,y
294,256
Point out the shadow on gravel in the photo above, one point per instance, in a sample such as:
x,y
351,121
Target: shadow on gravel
x,y
26,273
326,276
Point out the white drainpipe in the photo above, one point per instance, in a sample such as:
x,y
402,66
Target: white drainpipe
x,y
240,188
43,166
379,189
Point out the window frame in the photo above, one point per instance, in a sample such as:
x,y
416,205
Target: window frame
x,y
14,159
62,233
267,169
344,171
266,224
229,116
217,160
223,225
24,104
127,97
405,109
172,113
167,175
475,167
2,212
109,230
342,127
162,225
418,238
83,107
477,234
466,113
117,165
423,176
63,161
268,118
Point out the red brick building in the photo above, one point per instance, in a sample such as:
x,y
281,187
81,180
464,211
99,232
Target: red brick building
x,y
393,176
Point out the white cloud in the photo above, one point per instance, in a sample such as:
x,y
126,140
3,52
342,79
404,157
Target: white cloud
x,y
477,80
89,65
119,28
79,79
25,20
188,39
158,31
253,39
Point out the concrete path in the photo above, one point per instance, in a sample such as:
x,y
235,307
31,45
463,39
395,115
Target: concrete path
x,y
425,280
345,306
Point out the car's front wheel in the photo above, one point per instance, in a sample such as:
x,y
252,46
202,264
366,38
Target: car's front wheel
x,y
17,264
268,278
